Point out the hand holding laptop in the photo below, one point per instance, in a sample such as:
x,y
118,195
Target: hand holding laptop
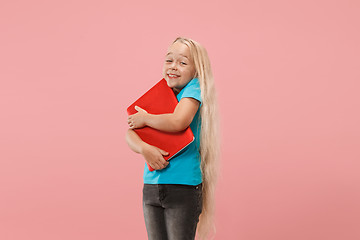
x,y
137,120
160,99
154,156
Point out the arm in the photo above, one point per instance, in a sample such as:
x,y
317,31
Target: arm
x,y
171,122
134,141
153,155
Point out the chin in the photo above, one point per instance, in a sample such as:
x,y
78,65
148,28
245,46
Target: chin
x,y
171,85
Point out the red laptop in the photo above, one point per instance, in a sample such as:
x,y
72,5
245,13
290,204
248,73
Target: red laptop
x,y
158,100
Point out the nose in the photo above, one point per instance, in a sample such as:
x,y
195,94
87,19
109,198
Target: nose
x,y
173,65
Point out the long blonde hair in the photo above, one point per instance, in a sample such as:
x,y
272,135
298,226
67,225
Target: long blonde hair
x,y
209,135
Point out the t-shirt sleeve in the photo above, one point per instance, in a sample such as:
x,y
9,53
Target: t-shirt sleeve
x,y
192,90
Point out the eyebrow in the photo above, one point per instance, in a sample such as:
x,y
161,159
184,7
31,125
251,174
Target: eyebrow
x,y
179,54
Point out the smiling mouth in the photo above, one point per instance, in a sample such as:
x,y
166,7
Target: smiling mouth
x,y
173,76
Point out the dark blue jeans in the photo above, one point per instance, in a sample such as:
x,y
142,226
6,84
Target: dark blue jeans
x,y
171,211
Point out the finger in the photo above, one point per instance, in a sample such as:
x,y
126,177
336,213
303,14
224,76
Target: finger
x,y
137,108
151,165
161,164
161,161
163,152
158,167
164,162
140,109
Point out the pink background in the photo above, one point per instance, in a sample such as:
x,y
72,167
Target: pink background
x,y
287,75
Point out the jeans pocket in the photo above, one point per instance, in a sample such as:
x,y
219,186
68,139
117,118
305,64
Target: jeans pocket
x,y
149,193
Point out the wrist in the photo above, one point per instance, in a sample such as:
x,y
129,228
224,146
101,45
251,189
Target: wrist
x,y
147,119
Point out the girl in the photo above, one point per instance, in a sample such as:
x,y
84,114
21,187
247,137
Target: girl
x,y
180,192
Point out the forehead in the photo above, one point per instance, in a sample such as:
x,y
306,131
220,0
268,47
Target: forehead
x,y
179,49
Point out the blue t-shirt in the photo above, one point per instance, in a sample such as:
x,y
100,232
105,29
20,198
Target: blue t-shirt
x,y
184,168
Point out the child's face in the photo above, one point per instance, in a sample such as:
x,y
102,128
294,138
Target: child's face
x,y
178,67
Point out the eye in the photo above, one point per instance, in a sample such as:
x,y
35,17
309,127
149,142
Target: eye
x,y
168,60
183,63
